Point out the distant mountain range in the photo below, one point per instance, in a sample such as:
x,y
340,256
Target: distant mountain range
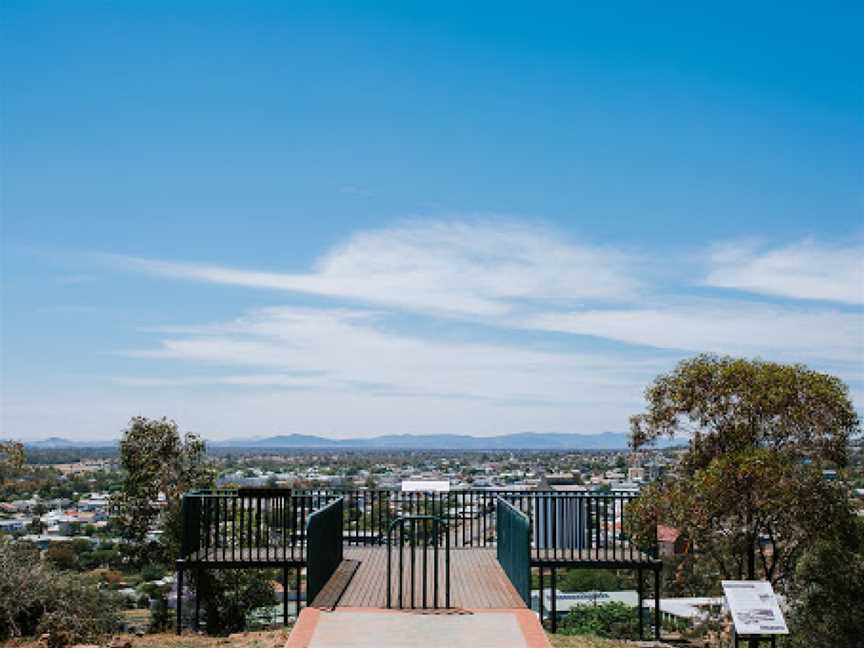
x,y
520,441
58,443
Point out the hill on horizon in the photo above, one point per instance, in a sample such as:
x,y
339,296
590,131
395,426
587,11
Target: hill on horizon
x,y
517,441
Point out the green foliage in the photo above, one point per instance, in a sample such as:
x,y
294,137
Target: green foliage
x,y
160,614
35,598
101,558
749,496
228,596
157,460
152,572
12,459
609,620
828,597
61,555
733,405
588,580
756,509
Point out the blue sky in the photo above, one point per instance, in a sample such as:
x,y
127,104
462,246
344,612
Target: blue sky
x,y
262,218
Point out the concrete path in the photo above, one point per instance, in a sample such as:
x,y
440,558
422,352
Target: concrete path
x,y
371,628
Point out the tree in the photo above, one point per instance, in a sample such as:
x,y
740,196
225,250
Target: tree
x,y
61,555
750,514
227,596
12,458
829,588
749,492
157,461
35,598
732,404
160,615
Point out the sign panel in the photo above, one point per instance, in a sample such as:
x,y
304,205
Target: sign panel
x,y
754,607
418,486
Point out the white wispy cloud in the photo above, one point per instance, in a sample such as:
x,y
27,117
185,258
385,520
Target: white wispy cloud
x,y
357,367
518,277
466,269
341,349
784,332
804,270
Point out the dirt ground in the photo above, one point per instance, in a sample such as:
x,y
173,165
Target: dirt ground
x,y
563,641
265,639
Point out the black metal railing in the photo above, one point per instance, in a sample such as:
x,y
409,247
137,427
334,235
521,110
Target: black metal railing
x,y
514,547
584,527
269,524
324,553
248,525
424,532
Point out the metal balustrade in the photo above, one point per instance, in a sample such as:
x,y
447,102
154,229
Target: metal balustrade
x,y
514,546
547,530
254,526
324,529
424,532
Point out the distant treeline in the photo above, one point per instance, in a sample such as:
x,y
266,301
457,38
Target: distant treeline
x,y
68,455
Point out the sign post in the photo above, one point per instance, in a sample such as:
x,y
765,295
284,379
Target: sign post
x,y
755,611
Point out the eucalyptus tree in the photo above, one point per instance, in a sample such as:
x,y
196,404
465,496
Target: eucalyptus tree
x,y
748,492
159,465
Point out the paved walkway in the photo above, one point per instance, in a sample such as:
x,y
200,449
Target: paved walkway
x,y
370,628
476,580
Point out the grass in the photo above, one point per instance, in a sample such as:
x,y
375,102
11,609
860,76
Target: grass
x,y
585,641
264,639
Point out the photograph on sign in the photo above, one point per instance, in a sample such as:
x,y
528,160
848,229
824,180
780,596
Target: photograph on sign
x,y
754,608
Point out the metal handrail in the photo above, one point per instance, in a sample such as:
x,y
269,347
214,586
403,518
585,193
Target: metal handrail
x,y
324,549
564,526
514,546
437,523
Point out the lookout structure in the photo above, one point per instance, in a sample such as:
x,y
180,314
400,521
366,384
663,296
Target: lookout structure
x,y
381,549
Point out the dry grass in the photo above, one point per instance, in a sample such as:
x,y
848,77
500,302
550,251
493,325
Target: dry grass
x,y
265,639
583,641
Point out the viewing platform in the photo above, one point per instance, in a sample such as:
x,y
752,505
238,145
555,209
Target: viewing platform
x,y
441,553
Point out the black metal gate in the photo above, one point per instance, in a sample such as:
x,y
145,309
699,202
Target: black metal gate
x,y
418,534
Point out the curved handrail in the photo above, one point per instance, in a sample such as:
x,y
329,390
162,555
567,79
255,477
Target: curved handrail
x,y
437,523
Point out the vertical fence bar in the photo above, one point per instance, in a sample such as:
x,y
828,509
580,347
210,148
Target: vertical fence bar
x,y
447,570
435,531
540,602
425,558
413,541
389,569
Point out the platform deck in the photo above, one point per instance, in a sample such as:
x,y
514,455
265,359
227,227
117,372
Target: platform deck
x,y
275,556
476,580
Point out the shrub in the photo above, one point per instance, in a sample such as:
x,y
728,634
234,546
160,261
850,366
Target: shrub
x,y
61,555
229,596
611,620
160,615
152,572
36,598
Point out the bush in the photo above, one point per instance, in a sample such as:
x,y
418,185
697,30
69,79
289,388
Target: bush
x,y
229,596
152,572
160,615
62,555
610,620
36,598
826,602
